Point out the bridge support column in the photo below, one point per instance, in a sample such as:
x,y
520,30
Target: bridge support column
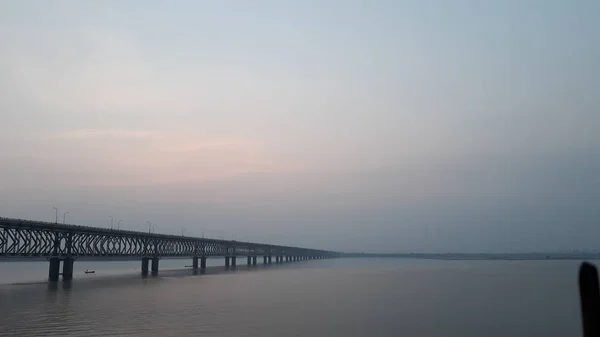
x,y
54,269
254,260
265,259
68,269
281,259
249,260
226,261
287,258
195,262
203,262
145,266
270,259
155,266
233,258
277,259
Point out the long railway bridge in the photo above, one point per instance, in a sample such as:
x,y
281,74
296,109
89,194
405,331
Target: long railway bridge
x,y
63,244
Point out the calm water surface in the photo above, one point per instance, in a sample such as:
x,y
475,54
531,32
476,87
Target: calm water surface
x,y
343,297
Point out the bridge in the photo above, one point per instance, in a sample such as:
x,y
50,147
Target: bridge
x,y
61,243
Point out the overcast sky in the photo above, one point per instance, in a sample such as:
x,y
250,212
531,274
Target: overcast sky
x,y
381,126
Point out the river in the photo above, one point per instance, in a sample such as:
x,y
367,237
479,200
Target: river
x,y
339,297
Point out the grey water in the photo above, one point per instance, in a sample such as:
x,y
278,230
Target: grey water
x,y
339,297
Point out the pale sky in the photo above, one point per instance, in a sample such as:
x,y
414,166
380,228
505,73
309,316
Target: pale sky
x,y
377,126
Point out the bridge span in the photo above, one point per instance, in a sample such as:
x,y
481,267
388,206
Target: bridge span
x,y
63,244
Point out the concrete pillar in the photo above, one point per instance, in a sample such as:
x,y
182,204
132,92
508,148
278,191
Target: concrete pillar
x,y
144,266
54,269
265,259
270,260
281,259
277,259
254,260
68,269
249,260
226,261
154,266
195,262
233,258
203,262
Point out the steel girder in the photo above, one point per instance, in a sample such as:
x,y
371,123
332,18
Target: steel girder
x,y
23,238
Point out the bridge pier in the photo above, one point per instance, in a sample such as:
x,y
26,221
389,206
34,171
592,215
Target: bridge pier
x,y
155,265
226,261
254,260
270,259
233,258
203,262
265,259
195,262
249,260
145,265
68,269
54,269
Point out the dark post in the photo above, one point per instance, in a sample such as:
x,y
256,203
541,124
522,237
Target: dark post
x,y
270,260
155,266
249,260
589,299
265,259
195,262
254,260
233,258
226,261
203,262
144,266
67,269
54,269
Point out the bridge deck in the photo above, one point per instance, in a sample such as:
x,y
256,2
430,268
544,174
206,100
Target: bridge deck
x,y
24,238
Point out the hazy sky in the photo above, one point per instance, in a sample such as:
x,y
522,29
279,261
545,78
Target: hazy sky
x,y
383,126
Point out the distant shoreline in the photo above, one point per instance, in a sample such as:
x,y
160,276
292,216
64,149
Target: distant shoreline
x,y
486,257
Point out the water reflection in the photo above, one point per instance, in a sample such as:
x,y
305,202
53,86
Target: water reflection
x,y
323,298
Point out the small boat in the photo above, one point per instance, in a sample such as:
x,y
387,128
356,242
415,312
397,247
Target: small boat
x,y
89,271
